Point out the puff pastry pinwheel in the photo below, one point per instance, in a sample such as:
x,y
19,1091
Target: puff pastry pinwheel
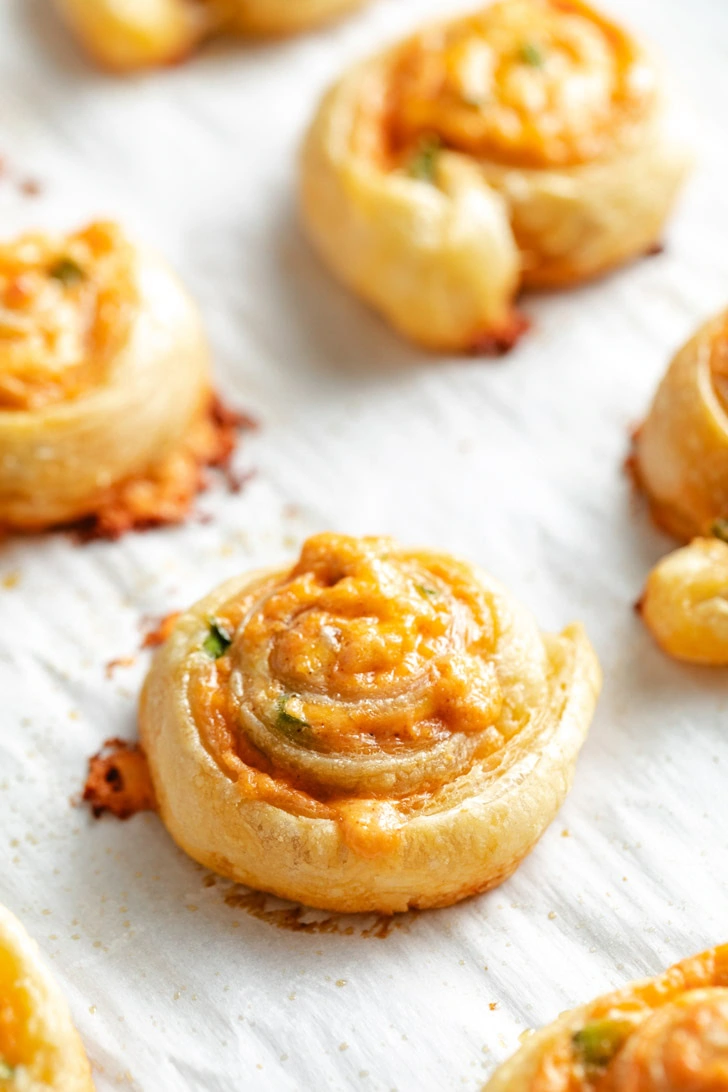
x,y
685,602
663,1034
681,449
124,35
523,145
40,1050
371,729
106,411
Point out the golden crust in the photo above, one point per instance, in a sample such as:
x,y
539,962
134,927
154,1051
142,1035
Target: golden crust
x,y
68,456
279,17
663,1034
38,1042
685,602
440,249
422,825
124,35
681,450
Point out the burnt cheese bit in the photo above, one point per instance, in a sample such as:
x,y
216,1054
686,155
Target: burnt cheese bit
x,y
119,781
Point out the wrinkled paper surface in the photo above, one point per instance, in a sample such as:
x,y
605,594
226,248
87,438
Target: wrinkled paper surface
x,y
516,464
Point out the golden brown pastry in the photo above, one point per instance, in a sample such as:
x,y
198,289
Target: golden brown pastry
x,y
663,1034
523,145
40,1050
371,729
106,410
685,602
124,35
681,450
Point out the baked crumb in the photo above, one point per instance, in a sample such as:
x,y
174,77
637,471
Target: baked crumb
x,y
120,661
30,187
119,781
160,629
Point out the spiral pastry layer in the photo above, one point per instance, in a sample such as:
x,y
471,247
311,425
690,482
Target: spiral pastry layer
x,y
685,602
664,1034
104,382
522,145
681,450
371,729
124,35
40,1050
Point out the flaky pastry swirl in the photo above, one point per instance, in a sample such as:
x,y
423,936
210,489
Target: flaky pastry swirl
x,y
373,728
681,450
664,1034
40,1050
124,35
104,378
685,603
522,145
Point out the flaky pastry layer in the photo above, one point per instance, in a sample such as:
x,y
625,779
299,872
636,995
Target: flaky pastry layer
x,y
524,145
104,384
681,449
371,729
124,35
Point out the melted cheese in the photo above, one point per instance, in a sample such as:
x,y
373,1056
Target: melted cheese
x,y
525,82
65,309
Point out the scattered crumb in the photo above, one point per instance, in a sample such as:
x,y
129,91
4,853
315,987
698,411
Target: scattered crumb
x,y
11,580
30,187
492,1005
160,629
121,661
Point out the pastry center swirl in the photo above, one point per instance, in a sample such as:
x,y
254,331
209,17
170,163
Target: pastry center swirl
x,y
65,308
530,82
683,1047
366,662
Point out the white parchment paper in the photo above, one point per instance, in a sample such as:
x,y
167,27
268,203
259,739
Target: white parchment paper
x,y
515,464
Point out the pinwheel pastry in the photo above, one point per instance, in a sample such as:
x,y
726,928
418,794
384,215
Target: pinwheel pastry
x,y
663,1034
681,450
40,1050
371,729
685,602
106,410
128,34
523,145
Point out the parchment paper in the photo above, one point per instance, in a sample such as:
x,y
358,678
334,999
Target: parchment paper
x,y
515,464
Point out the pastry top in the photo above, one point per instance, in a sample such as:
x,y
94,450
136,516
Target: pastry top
x,y
368,683
530,83
66,306
665,1034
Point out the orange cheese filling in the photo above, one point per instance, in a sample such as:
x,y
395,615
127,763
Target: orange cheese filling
x,y
533,83
16,1047
667,1035
353,686
65,310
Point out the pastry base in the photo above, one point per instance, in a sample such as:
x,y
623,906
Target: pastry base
x,y
165,492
